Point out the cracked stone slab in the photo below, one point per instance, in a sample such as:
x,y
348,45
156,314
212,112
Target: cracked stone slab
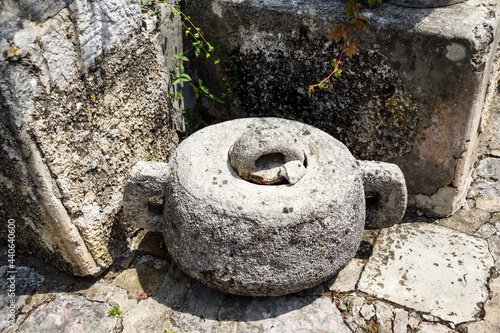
x,y
194,307
291,314
431,269
13,297
69,313
347,278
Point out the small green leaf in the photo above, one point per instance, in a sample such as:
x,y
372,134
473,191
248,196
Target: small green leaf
x,y
181,69
176,81
202,87
181,57
216,61
337,72
210,47
196,35
144,2
207,55
114,311
197,51
185,78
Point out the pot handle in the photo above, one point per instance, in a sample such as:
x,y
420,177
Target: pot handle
x,y
385,192
146,180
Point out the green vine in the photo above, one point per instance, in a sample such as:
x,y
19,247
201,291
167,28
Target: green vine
x,y
339,35
200,47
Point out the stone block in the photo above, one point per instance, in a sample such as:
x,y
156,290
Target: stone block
x,y
84,95
431,269
399,99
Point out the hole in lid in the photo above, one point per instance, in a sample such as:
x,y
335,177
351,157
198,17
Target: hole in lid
x,y
267,170
269,162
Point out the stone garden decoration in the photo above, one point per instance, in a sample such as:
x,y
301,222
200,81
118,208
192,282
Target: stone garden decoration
x,y
263,206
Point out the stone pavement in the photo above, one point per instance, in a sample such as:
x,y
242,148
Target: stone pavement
x,y
425,276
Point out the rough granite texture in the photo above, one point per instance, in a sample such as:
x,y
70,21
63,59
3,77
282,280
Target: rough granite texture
x,y
83,97
263,240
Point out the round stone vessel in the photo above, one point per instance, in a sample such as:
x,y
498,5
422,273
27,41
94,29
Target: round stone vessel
x,y
263,206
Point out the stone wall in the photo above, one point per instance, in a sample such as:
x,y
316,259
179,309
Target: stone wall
x,y
414,94
84,94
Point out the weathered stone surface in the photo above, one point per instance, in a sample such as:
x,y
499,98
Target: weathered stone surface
x,y
429,268
466,221
445,202
83,97
425,3
386,185
69,313
489,168
492,306
409,111
489,203
400,321
485,231
143,277
494,243
414,320
367,311
347,277
433,328
109,294
384,317
279,314
15,287
147,316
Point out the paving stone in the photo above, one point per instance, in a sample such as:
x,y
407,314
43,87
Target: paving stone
x,y
414,320
356,303
478,327
467,221
489,203
291,314
355,323
108,293
69,313
432,328
400,321
143,277
367,311
494,244
384,317
485,231
430,269
147,316
489,168
481,186
348,277
19,285
430,317
200,310
492,306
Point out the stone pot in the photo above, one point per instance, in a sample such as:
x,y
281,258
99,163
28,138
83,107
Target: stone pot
x,y
263,206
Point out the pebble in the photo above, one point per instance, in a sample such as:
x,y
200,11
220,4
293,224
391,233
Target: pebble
x,y
367,311
384,317
400,321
